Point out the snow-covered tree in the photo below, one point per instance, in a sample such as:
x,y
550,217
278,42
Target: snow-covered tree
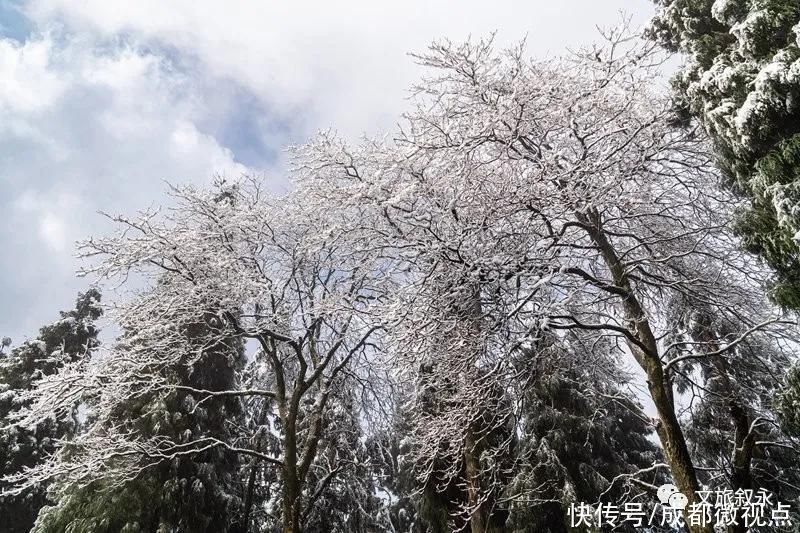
x,y
342,491
70,340
534,228
731,420
227,266
186,492
550,196
586,438
393,471
741,79
789,403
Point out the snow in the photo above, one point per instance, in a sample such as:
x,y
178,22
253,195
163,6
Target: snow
x,y
67,320
751,30
724,10
38,345
399,287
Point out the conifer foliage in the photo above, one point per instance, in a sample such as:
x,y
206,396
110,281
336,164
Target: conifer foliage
x,y
742,81
71,339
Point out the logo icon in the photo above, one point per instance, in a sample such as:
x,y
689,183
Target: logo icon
x,y
669,495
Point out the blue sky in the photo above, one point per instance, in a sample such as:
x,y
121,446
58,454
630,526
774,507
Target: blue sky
x,y
101,102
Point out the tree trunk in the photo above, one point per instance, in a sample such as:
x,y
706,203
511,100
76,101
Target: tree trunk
x,y
248,501
744,441
291,505
477,520
645,351
480,520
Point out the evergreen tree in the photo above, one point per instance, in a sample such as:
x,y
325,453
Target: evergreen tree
x,y
742,81
195,492
788,403
341,496
732,424
69,340
393,474
584,440
262,490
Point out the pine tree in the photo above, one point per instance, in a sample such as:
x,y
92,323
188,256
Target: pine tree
x,y
584,440
70,339
393,473
340,495
788,403
262,488
742,81
187,493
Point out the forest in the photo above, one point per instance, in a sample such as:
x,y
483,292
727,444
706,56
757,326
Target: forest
x,y
558,284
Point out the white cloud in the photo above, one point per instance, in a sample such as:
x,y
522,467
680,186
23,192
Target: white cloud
x,y
108,98
27,83
119,123
85,127
50,214
321,63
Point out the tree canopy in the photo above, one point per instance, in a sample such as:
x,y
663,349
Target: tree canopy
x,y
530,295
741,80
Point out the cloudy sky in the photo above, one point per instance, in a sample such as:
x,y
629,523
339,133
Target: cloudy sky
x,y
103,101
